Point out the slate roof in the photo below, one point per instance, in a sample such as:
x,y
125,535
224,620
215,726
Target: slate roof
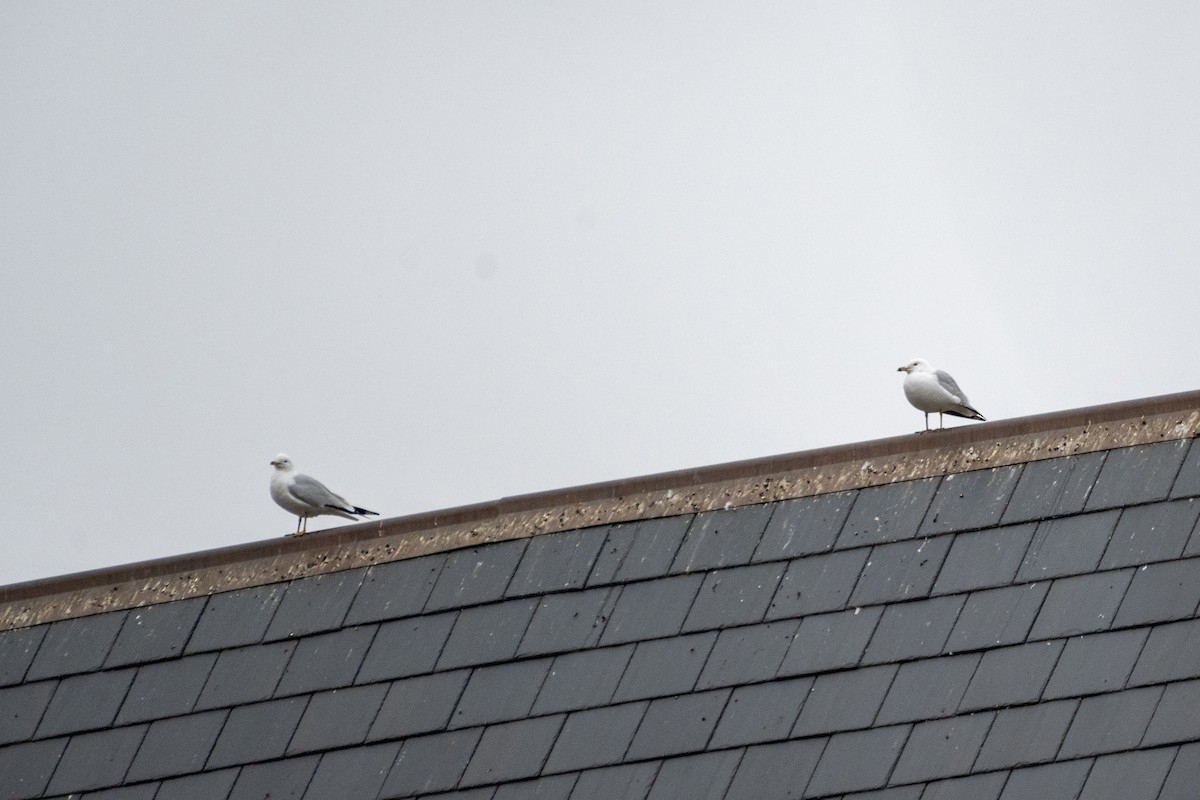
x,y
1002,612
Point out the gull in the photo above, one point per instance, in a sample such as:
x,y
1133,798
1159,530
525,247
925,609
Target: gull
x,y
307,497
932,390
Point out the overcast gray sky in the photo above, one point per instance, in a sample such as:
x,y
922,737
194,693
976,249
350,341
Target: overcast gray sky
x,y
444,252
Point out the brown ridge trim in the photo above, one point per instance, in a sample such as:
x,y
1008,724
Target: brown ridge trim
x,y
829,469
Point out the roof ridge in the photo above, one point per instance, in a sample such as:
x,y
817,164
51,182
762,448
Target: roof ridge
x,y
728,485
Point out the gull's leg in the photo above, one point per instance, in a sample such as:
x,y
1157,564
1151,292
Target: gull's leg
x,y
299,519
926,420
941,422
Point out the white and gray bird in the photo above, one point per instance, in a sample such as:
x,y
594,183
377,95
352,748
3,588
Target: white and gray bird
x,y
931,390
307,497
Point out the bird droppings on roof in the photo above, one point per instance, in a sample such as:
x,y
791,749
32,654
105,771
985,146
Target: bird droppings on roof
x,y
1023,628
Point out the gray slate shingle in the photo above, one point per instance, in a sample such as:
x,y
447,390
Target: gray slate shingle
x,y
431,763
203,786
817,583
316,604
512,750
245,675
725,538
748,654
555,787
671,598
76,645
913,630
1172,652
984,558
568,621
1098,662
1140,474
500,693
972,787
1187,482
418,705
927,689
804,526
858,760
155,632
900,571
396,589
1068,546
485,634
476,575
830,641
257,732
942,748
704,776
278,780
1064,779
997,616
1156,532
624,782
887,513
21,709
1175,719
1026,735
638,550
664,666
761,712
1184,776
356,772
584,679
674,725
1105,723
176,746
1081,604
1053,487
970,500
557,562
326,661
1161,593
27,768
776,770
840,701
596,737
1126,775
337,718
17,650
737,596
1011,675
95,760
85,702
233,619
406,647
166,688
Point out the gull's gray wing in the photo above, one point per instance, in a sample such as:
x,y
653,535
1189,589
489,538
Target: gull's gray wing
x,y
950,386
314,493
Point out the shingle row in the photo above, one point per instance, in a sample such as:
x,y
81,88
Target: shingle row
x,y
1127,670
660,661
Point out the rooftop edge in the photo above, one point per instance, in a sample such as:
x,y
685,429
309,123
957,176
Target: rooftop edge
x,y
729,485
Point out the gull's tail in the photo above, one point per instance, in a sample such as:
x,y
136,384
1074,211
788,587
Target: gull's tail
x,y
966,412
348,511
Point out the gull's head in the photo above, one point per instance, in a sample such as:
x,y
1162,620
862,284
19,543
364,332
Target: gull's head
x,y
282,463
916,365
